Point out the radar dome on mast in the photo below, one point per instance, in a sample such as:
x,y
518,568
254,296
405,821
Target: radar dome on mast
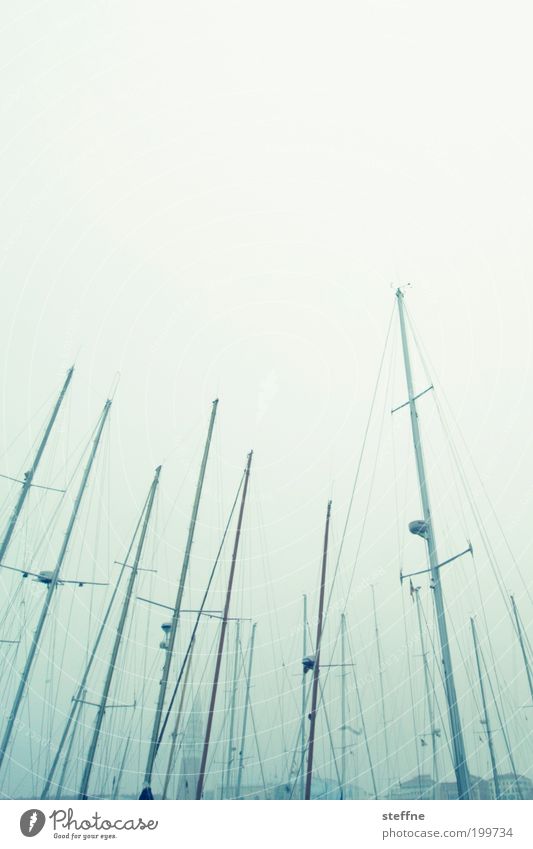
x,y
166,627
419,528
45,577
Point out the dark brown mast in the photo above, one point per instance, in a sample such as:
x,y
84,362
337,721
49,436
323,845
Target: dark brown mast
x,y
316,665
203,765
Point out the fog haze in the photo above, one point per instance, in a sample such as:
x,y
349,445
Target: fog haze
x,y
218,201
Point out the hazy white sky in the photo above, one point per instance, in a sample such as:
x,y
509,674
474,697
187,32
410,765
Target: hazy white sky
x,y
213,199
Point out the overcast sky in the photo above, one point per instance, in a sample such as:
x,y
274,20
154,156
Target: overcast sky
x,y
214,200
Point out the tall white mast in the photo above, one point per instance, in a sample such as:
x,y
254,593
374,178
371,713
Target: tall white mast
x,y
230,759
51,586
152,752
316,664
431,713
29,475
486,720
246,710
212,704
427,533
77,699
118,639
174,735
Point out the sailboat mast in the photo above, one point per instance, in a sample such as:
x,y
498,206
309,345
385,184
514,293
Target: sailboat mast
x,y
431,712
51,586
118,639
486,720
522,646
304,703
29,475
381,690
152,752
174,735
343,705
316,665
205,752
78,697
458,746
226,788
77,706
246,710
